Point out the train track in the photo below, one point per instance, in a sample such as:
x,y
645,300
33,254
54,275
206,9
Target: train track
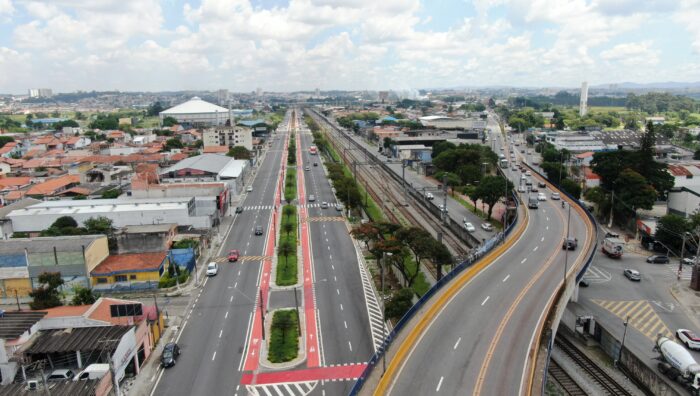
x,y
567,383
599,376
391,192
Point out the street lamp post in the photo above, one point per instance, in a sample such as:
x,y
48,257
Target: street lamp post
x,y
566,243
622,344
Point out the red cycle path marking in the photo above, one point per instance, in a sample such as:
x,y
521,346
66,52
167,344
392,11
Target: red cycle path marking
x,y
252,359
314,374
312,356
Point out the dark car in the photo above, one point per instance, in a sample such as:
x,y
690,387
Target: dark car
x,y
658,259
315,163
583,283
570,243
170,353
239,209
541,185
258,230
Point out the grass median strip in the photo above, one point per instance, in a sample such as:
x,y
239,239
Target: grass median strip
x,y
284,336
287,248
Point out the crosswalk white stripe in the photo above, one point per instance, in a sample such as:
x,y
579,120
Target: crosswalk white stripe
x,y
266,391
299,388
288,389
279,392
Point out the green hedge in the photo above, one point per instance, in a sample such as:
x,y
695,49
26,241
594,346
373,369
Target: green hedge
x,y
284,336
287,264
290,185
167,281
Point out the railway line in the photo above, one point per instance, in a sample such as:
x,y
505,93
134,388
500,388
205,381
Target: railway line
x,y
597,375
382,185
568,385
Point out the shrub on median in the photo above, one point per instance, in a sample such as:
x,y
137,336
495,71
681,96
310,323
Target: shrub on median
x,y
284,336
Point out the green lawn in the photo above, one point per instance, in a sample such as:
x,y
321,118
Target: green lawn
x,y
287,264
290,185
420,284
284,337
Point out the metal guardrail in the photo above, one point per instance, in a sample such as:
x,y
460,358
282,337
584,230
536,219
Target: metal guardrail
x,y
471,260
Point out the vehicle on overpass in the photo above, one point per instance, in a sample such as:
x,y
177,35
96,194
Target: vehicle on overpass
x,y
613,247
678,364
570,243
532,202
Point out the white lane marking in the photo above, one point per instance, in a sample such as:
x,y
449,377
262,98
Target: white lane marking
x,y
346,324
213,357
486,299
506,278
547,218
226,316
230,299
535,249
546,228
524,260
439,384
542,240
221,332
236,284
457,343
350,345
341,307
337,291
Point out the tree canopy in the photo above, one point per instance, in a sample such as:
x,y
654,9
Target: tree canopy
x,y
239,152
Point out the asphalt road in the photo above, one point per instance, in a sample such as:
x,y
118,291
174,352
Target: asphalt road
x,y
611,297
342,312
479,342
214,335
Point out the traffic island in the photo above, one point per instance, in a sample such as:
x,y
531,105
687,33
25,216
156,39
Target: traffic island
x,y
286,269
284,336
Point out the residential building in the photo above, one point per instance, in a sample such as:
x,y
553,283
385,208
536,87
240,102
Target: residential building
x,y
145,238
131,270
444,122
220,150
53,187
228,137
40,92
655,120
5,223
122,211
73,256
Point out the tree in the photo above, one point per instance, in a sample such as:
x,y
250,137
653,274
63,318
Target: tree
x,y
64,222
399,303
559,123
631,124
366,233
105,121
440,255
83,296
155,109
491,189
288,211
419,242
67,123
173,143
670,230
111,193
47,294
285,248
571,187
6,139
518,124
169,121
632,192
288,227
98,225
239,152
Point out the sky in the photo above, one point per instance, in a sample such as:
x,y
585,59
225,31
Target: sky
x,y
289,45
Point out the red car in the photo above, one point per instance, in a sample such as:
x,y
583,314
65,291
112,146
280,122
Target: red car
x,y
233,255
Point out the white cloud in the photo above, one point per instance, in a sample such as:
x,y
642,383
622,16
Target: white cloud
x,y
639,53
6,7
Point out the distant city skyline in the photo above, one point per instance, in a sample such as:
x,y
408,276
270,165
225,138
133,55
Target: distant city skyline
x,y
281,46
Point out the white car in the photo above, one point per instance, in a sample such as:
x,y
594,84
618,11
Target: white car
x,y
249,188
212,269
541,197
521,188
688,338
429,196
487,226
555,196
528,173
442,208
469,226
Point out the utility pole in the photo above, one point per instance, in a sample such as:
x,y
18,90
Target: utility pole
x,y
566,243
381,268
444,200
43,378
296,304
17,299
612,201
680,263
262,316
622,345
114,374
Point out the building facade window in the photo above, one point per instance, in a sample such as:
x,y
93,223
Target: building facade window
x,y
120,278
132,277
101,280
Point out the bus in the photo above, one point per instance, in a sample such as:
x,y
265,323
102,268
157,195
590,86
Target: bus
x,y
312,150
504,163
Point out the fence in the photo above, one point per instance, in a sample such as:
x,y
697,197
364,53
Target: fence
x,y
471,260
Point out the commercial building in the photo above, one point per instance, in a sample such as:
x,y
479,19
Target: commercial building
x,y
444,122
22,260
684,201
16,328
197,113
228,137
207,168
40,92
122,211
145,238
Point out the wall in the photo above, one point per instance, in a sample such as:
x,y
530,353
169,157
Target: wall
x,y
96,253
176,190
8,287
142,243
683,203
64,322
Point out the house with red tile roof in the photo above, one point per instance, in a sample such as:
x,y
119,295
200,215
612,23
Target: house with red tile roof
x,y
53,187
591,178
685,174
47,142
143,269
215,150
9,149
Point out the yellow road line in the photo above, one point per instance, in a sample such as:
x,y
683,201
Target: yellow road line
x,y
437,306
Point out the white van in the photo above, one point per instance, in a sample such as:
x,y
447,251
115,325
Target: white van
x,y
93,371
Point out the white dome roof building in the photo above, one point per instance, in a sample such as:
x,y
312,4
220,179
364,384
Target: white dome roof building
x,y
197,113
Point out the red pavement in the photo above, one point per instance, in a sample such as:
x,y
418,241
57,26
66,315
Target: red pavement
x,y
252,360
312,356
315,374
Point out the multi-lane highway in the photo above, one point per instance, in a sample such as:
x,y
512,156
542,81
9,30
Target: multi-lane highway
x,y
213,335
480,339
221,336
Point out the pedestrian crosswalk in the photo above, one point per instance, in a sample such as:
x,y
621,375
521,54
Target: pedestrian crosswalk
x,y
641,314
270,207
326,218
686,271
243,258
282,389
258,207
597,275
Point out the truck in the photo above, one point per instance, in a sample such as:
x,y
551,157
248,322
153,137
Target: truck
x,y
678,364
613,247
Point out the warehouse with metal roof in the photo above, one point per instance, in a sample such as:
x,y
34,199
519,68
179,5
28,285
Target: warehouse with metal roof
x,y
197,113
